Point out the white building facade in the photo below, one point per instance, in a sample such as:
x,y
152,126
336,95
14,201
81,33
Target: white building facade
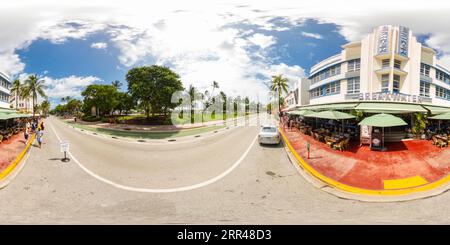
x,y
299,96
388,65
5,85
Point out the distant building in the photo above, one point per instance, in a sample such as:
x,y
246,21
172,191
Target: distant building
x,y
23,105
5,86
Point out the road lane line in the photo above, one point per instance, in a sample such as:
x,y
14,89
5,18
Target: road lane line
x,y
163,190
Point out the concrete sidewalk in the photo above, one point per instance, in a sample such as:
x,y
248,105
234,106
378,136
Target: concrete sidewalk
x,y
405,165
10,149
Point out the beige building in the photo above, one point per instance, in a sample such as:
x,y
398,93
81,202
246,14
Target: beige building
x,y
389,65
23,105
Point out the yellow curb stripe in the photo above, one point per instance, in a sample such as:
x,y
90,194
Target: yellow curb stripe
x,y
14,164
335,184
404,183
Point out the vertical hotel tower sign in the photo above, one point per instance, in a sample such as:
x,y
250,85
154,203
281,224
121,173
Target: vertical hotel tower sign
x,y
383,40
403,41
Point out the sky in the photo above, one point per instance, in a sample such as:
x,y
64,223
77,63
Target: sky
x,y
72,44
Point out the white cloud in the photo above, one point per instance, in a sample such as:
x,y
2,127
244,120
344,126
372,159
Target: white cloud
x,y
262,40
312,35
68,86
99,45
197,39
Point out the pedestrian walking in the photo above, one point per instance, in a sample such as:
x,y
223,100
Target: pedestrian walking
x,y
39,135
26,134
42,126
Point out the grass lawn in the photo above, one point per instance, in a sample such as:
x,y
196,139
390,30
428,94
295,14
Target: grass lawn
x,y
147,135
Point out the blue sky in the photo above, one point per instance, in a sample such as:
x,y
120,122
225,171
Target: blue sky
x,y
74,45
76,56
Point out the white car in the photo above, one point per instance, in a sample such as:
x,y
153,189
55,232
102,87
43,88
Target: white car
x,y
269,135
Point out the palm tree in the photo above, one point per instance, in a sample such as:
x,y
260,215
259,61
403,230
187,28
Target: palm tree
x,y
33,87
192,91
214,85
16,89
66,99
117,84
45,107
279,85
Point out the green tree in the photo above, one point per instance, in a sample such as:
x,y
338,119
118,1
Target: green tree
x,y
33,87
125,102
279,85
16,88
45,107
102,97
152,87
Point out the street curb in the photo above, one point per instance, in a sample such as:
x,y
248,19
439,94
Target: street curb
x,y
5,174
353,193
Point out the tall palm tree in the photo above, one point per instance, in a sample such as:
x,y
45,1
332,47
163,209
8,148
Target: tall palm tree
x,y
192,91
16,88
214,86
45,107
117,84
33,87
66,99
279,84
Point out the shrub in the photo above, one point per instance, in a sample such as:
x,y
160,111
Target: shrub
x,y
89,118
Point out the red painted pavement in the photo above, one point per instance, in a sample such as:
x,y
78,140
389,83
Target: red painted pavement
x,y
360,167
10,149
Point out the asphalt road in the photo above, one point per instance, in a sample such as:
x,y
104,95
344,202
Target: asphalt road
x,y
224,178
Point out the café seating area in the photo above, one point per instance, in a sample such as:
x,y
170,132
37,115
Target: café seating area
x,y
440,140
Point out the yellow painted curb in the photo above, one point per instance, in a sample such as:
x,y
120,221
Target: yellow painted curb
x,y
356,190
404,183
14,164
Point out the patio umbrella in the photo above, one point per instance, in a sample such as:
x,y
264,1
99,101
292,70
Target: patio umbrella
x,y
383,120
334,115
443,116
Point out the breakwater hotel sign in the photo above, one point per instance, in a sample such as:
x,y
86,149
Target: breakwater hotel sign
x,y
388,65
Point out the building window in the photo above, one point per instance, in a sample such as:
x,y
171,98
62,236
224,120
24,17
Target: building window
x,y
353,85
397,64
4,97
385,83
354,65
396,84
327,89
386,63
329,72
442,93
442,76
425,69
4,83
424,89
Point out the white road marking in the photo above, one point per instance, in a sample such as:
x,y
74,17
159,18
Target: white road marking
x,y
164,190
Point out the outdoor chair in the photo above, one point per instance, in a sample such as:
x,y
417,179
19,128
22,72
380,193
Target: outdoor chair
x,y
1,138
339,146
441,143
328,141
434,140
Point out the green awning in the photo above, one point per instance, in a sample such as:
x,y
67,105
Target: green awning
x,y
443,116
6,116
300,112
383,120
376,107
335,115
335,106
437,109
